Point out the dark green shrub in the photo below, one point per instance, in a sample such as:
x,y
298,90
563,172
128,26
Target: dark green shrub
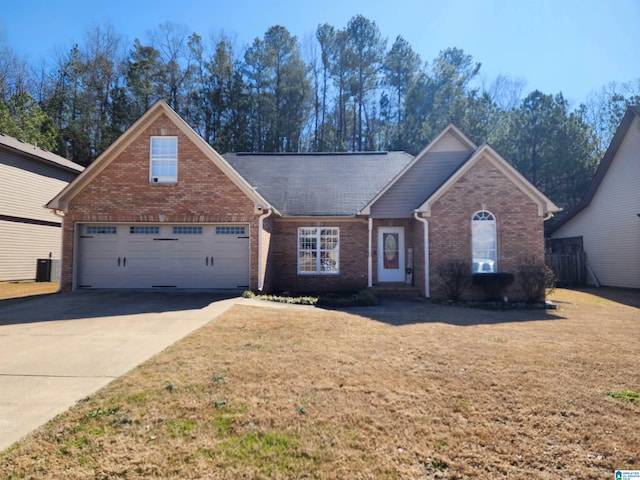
x,y
363,298
455,275
536,278
493,283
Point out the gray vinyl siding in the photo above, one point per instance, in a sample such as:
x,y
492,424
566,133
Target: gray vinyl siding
x,y
418,184
21,244
449,143
610,226
27,185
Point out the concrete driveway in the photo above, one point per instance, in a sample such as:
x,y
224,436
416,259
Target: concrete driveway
x,y
58,349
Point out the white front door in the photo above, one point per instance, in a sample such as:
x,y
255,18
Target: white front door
x,y
391,265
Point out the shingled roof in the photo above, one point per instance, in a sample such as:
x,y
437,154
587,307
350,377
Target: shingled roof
x,y
38,154
603,168
319,184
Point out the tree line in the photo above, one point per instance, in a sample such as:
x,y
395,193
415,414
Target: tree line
x,y
345,89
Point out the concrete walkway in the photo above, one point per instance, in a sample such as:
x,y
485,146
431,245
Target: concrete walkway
x,y
58,349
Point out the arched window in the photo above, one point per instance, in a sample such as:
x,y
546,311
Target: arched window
x,y
484,242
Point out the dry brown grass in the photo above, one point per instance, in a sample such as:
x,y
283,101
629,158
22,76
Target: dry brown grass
x,y
413,391
26,289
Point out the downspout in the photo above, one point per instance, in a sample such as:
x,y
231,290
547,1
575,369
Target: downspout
x,y
57,213
370,257
427,289
260,247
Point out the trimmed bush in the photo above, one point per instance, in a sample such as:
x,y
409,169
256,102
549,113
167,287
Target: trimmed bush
x,y
363,298
536,278
455,275
493,284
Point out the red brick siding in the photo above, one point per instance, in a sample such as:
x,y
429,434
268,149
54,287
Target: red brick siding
x,y
519,227
353,258
122,193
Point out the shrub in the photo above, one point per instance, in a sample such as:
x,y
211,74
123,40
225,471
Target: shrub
x,y
366,298
363,298
303,300
536,278
493,283
248,294
455,275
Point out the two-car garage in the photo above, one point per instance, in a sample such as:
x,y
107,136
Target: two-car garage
x,y
163,256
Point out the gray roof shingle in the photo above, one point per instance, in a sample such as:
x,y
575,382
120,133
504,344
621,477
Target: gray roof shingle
x,y
319,184
39,154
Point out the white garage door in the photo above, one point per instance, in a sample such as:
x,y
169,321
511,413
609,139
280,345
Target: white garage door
x,y
163,256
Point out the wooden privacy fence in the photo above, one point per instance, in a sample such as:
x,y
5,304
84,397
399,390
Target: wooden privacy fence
x,y
570,268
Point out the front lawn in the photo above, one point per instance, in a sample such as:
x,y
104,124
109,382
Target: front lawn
x,y
26,289
404,390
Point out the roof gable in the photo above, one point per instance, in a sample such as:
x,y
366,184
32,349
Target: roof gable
x,y
61,201
619,136
439,160
545,205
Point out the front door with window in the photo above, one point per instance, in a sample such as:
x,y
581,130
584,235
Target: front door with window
x,y
391,263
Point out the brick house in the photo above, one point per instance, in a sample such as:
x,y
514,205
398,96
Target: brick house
x,y
161,209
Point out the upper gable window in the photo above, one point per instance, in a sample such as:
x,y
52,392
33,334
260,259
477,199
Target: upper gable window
x,y
484,242
164,160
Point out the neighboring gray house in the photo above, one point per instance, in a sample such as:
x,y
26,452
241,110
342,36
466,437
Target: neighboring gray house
x,y
606,222
28,231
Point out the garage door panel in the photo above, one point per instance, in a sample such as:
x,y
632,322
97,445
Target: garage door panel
x,y
165,256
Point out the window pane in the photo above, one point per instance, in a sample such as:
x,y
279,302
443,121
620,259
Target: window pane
x,y
329,262
144,230
318,250
308,243
187,230
162,168
164,159
164,147
100,229
307,261
230,230
484,243
484,235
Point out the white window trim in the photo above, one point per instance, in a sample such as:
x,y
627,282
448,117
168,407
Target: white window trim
x,y
493,221
154,179
318,250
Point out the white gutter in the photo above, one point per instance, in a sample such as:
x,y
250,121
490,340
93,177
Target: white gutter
x,y
260,247
370,257
57,213
427,289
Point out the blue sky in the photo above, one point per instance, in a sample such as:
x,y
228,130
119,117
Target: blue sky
x,y
569,46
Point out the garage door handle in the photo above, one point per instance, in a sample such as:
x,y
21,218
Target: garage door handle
x,y
124,261
212,261
118,261
206,261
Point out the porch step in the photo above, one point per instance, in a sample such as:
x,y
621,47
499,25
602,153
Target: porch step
x,y
396,290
